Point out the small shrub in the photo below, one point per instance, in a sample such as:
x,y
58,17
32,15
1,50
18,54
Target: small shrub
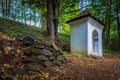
x,y
115,52
64,37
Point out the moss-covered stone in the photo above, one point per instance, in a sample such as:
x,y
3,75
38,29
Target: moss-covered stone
x,y
32,50
1,52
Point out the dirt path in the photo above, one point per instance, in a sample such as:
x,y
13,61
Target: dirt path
x,y
88,69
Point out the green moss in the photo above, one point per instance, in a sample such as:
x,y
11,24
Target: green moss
x,y
34,51
66,53
1,52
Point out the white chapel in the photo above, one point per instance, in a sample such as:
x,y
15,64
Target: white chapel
x,y
86,34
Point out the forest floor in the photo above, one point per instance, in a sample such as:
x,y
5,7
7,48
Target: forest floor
x,y
75,68
107,68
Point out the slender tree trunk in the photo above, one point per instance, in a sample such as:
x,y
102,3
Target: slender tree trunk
x,y
14,11
34,17
25,14
6,9
48,17
3,8
118,29
56,15
22,15
43,23
9,8
104,29
30,17
19,14
118,22
108,24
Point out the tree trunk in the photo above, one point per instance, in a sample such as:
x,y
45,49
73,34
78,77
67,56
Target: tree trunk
x,y
56,15
34,17
50,22
43,23
25,14
30,18
108,24
118,22
3,8
9,8
104,29
6,9
48,17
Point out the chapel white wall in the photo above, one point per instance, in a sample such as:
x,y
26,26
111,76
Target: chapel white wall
x,y
93,25
79,37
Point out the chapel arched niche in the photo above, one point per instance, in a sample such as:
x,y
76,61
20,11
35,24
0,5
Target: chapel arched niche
x,y
95,42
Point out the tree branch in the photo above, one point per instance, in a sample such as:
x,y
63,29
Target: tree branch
x,y
72,11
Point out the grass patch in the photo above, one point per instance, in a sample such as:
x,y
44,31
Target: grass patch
x,y
66,53
115,52
16,29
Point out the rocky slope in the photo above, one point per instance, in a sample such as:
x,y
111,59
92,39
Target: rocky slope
x,y
26,55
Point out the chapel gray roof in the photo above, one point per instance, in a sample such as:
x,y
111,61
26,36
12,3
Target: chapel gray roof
x,y
83,14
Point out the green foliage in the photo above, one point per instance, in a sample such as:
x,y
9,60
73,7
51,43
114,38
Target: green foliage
x,y
4,77
64,37
108,16
106,50
66,53
115,52
15,78
67,11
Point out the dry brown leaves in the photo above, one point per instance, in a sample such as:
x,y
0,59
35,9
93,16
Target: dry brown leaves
x,y
88,69
4,36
